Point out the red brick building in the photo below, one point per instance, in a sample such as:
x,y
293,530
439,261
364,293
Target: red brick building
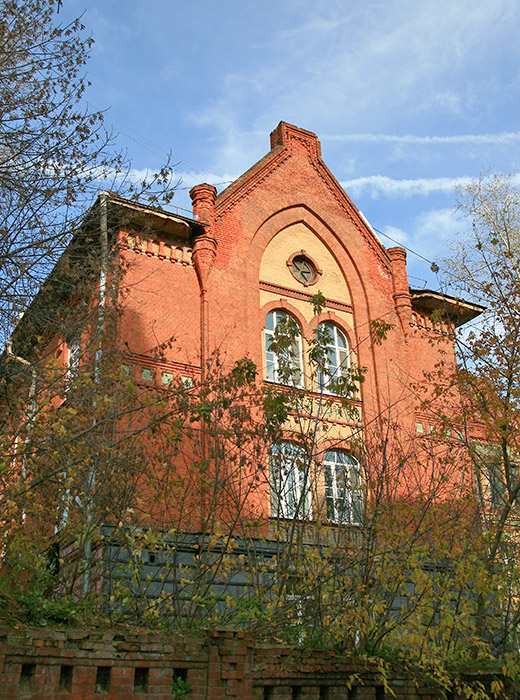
x,y
358,526
259,252
250,261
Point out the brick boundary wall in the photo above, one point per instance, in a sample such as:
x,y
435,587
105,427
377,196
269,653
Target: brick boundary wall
x,y
116,664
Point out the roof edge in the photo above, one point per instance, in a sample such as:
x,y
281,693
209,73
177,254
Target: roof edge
x,y
457,310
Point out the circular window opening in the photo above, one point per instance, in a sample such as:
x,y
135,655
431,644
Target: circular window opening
x,y
303,268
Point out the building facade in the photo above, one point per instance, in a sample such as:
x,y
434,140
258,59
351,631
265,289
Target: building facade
x,y
281,274
260,252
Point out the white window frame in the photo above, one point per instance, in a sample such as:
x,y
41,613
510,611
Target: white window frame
x,y
337,354
271,357
290,482
73,357
343,493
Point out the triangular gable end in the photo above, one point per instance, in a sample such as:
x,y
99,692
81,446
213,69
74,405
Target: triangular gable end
x,y
285,139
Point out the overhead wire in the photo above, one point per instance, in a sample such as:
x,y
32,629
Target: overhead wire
x,y
435,267
409,250
154,148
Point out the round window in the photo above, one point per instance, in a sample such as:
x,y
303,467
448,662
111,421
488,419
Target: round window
x,y
304,270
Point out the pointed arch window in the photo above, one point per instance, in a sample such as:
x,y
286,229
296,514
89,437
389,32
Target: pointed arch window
x,y
343,487
283,349
336,361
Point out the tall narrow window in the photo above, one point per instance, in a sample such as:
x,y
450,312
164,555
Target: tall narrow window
x,y
335,356
73,355
283,349
290,481
343,487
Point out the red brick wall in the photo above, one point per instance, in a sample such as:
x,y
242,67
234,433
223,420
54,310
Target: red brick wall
x,y
290,186
117,664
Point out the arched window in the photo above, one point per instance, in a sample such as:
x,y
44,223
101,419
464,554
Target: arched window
x,y
336,356
290,481
283,349
343,487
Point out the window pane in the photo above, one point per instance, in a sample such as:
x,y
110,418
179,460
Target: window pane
x,y
342,487
336,358
284,365
290,483
357,508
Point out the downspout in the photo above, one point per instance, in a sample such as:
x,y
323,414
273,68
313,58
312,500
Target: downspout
x,y
31,413
103,276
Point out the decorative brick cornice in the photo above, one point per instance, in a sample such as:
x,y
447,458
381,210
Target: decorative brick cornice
x,y
157,248
169,365
424,323
253,177
331,408
303,296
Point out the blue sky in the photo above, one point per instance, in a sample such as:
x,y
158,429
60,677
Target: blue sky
x,y
408,97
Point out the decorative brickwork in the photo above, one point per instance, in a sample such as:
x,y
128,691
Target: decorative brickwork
x,y
115,664
155,248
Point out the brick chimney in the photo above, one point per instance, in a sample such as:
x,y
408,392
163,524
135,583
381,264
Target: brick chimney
x,y
292,136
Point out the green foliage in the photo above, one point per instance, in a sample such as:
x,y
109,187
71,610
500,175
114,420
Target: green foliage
x,y
36,607
170,486
244,372
379,329
276,408
27,586
181,689
319,303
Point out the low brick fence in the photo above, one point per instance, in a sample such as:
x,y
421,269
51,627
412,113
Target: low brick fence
x,y
116,664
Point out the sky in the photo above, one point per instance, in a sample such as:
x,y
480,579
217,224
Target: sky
x,y
409,98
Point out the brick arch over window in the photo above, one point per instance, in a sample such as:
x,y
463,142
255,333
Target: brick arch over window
x,y
289,308
360,268
341,253
331,317
283,366
327,443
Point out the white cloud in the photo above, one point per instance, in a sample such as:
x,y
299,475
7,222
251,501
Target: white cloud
x,y
376,186
393,235
381,185
189,179
503,137
338,66
437,225
434,231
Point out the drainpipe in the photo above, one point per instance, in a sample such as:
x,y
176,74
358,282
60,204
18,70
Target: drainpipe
x,y
31,412
103,276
